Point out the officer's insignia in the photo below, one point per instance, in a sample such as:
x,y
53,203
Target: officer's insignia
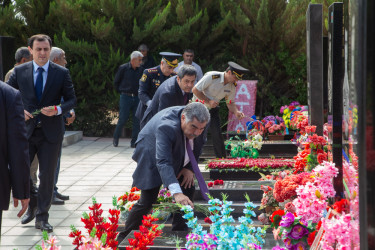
x,y
144,77
215,77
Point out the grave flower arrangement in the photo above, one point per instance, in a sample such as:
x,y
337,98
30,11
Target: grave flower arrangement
x,y
98,227
253,164
164,197
285,189
294,231
248,148
148,231
313,154
223,234
126,201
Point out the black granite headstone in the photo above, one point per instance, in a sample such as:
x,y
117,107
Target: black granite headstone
x,y
314,33
6,55
335,86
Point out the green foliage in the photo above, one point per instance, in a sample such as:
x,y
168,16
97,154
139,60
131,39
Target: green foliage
x,y
267,36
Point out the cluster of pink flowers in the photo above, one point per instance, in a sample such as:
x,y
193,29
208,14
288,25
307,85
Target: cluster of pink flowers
x,y
340,233
274,129
250,163
311,199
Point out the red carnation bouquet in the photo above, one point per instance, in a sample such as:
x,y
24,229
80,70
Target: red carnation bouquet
x,y
285,189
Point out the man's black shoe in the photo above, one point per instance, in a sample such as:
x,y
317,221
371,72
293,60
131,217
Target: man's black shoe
x,y
115,142
43,226
62,197
132,145
29,216
57,201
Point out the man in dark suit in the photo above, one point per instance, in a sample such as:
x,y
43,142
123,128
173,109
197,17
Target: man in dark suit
x,y
175,91
162,157
42,84
14,151
153,78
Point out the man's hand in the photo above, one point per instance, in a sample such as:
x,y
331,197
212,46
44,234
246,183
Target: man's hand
x,y
70,120
24,204
213,103
239,115
27,115
188,180
183,199
49,111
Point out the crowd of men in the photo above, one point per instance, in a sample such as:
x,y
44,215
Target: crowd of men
x,y
169,125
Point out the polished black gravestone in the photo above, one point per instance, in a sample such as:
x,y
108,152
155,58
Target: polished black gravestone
x,y
335,87
236,190
167,241
6,55
314,46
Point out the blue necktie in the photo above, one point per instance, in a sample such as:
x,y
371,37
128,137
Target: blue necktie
x,y
39,84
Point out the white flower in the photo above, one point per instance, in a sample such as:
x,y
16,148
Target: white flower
x,y
128,205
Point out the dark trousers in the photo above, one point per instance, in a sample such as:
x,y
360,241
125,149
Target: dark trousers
x,y
57,172
127,104
1,217
144,205
217,137
47,154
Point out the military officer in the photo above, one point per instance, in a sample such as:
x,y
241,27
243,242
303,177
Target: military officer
x,y
152,78
213,87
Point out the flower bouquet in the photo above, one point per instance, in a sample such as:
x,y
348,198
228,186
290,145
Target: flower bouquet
x,y
223,234
294,231
248,148
100,230
164,196
125,202
250,164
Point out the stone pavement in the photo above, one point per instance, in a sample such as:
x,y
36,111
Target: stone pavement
x,y
90,168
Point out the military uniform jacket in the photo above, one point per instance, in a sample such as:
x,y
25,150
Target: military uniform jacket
x,y
149,83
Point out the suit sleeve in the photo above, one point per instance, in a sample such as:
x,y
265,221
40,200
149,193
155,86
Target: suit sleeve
x,y
165,101
144,87
164,145
13,80
70,99
18,149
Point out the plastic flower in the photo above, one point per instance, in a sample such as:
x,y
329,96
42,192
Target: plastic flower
x,y
287,220
297,232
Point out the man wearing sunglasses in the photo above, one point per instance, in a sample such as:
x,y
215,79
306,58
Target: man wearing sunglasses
x,y
213,87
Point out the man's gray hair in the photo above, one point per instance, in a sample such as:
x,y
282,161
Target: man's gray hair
x,y
186,69
196,110
22,52
135,54
55,53
143,47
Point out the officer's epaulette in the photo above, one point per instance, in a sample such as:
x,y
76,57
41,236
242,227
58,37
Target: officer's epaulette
x,y
152,70
215,77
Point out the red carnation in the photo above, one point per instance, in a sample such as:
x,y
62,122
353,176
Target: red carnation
x,y
210,184
208,220
216,182
311,238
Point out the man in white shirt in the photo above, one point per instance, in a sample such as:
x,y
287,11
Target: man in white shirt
x,y
188,59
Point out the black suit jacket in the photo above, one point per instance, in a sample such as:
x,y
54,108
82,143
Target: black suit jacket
x,y
14,147
58,84
160,150
167,95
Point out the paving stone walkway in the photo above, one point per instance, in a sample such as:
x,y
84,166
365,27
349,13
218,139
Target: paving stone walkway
x,y
90,168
